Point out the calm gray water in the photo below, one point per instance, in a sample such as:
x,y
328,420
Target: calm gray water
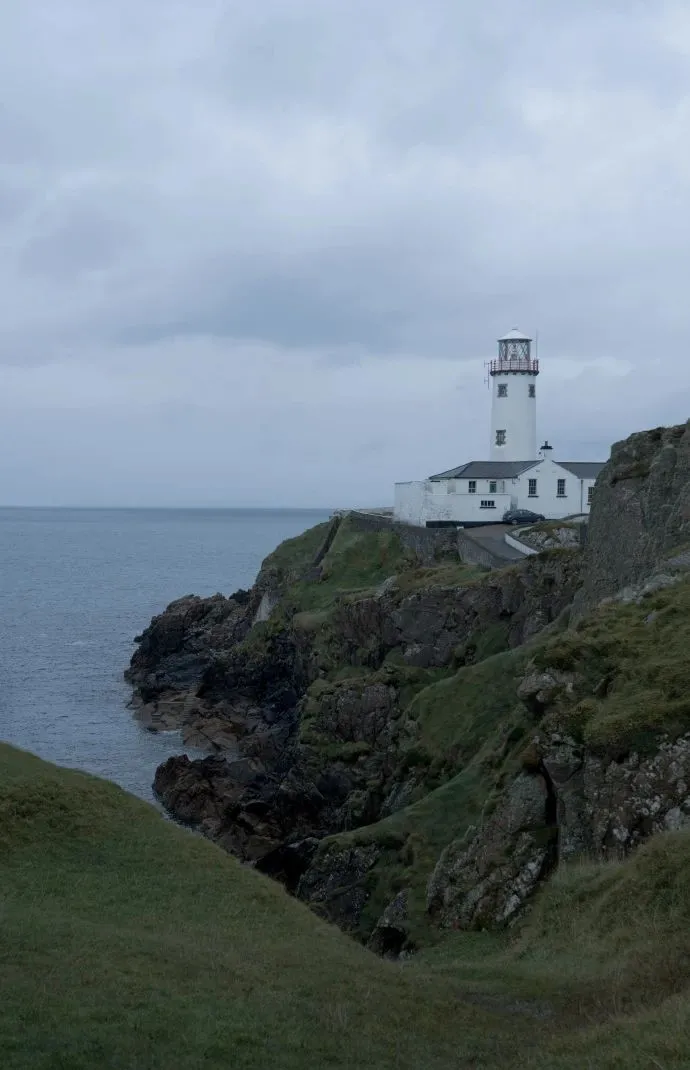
x,y
76,586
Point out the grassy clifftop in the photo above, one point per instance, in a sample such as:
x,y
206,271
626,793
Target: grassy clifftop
x,y
130,943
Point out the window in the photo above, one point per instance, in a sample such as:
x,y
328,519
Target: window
x,y
492,486
532,390
500,438
532,491
561,488
487,504
590,495
472,486
503,390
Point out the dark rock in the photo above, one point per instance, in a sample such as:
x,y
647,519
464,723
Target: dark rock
x,y
641,512
289,861
483,880
391,935
334,885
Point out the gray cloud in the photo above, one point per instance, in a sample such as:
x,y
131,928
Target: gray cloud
x,y
289,233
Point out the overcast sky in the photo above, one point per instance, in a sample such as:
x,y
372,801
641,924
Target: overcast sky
x,y
256,254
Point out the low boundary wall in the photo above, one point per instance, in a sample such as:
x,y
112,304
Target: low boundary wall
x,y
471,552
510,540
429,544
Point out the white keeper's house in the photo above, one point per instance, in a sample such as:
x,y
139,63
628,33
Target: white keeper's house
x,y
517,475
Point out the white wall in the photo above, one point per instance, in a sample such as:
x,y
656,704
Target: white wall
x,y
547,501
423,501
516,414
448,499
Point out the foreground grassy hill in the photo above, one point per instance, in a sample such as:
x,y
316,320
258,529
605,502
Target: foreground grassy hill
x,y
126,942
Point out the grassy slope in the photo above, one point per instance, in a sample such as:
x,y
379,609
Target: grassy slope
x,y
127,942
130,943
358,562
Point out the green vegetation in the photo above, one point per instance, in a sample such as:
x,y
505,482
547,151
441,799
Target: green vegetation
x,y
469,733
130,943
632,672
357,562
293,556
444,574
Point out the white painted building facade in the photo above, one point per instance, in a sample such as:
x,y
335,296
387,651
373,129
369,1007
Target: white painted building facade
x,y
518,476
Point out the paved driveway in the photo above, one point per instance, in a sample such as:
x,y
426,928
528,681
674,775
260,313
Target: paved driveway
x,y
491,538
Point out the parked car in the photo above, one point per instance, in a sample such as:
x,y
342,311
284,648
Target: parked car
x,y
522,516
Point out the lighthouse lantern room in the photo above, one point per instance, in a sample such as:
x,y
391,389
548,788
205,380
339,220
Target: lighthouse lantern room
x,y
514,399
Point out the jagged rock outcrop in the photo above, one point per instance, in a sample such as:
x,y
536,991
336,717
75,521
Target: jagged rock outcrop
x,y
391,935
256,691
482,880
335,885
576,803
552,537
640,513
436,625
248,810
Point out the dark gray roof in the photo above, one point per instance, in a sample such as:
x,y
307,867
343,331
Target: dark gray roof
x,y
583,469
487,470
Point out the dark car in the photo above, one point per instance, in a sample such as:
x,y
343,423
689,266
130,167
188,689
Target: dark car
x,y
522,516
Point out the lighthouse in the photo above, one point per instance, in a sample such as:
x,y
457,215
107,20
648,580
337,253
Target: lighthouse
x,y
513,378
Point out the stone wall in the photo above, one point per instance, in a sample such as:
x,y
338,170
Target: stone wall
x,y
471,553
429,544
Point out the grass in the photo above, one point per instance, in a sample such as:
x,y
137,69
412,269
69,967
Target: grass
x,y
129,943
356,562
632,673
455,716
293,556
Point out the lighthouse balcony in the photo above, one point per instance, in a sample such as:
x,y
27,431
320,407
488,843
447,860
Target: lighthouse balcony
x,y
521,365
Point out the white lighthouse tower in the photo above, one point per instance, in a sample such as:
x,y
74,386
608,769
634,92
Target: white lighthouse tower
x,y
514,399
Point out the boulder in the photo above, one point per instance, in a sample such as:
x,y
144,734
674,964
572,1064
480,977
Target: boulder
x,y
391,935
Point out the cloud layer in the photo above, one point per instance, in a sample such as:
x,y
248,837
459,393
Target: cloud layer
x,y
259,255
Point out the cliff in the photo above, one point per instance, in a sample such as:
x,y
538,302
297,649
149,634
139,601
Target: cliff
x,y
641,512
308,710
410,744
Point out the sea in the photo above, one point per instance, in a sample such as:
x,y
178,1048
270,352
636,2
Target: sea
x,y
76,587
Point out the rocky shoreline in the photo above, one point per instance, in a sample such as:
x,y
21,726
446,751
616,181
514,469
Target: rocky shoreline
x,y
366,676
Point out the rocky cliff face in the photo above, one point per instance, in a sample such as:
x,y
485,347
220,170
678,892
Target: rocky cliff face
x,y
575,802
640,514
302,753
394,729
